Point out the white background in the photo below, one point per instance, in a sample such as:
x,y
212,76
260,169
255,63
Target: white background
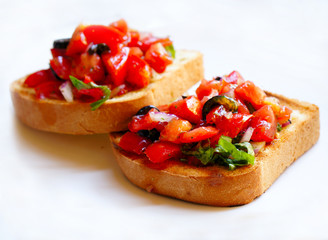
x,y
69,187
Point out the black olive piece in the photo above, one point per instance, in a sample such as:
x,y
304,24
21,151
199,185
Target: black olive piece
x,y
229,103
218,78
183,97
153,134
146,109
98,48
61,43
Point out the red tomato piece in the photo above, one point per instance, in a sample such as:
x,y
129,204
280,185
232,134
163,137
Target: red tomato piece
x,y
120,25
247,91
142,122
89,95
88,65
78,42
139,72
189,108
134,38
148,39
206,88
49,89
55,52
157,57
173,129
264,123
39,77
198,134
284,114
242,108
116,65
162,151
235,78
132,142
62,67
136,51
104,34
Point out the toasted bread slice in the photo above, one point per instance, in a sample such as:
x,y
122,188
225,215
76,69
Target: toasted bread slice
x,y
215,185
77,118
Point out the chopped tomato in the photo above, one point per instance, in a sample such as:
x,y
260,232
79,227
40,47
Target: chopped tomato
x,y
242,108
148,39
284,114
144,122
235,78
139,72
116,65
157,57
134,38
49,89
162,151
173,129
206,87
89,95
88,65
198,134
120,90
39,77
120,25
247,91
189,108
132,142
56,52
264,123
78,42
62,67
136,51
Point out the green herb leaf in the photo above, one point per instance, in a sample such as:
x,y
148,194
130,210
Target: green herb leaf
x,y
171,51
279,127
81,85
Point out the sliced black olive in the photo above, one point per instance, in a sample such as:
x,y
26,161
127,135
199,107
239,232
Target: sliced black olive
x,y
151,134
229,103
218,78
184,97
98,48
146,109
61,43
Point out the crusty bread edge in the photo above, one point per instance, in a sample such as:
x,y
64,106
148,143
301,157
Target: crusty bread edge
x,y
218,186
77,118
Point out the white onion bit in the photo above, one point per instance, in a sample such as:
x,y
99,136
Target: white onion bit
x,y
258,146
66,90
161,116
247,135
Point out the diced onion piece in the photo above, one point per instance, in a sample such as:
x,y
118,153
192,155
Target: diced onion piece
x,y
161,116
66,90
258,146
247,135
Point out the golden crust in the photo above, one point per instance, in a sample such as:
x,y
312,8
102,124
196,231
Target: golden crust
x,y
217,186
77,118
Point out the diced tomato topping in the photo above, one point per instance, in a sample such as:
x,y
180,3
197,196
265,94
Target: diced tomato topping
x,y
173,129
134,38
89,95
284,114
198,134
55,52
139,72
39,77
136,51
235,78
157,57
264,123
49,89
132,142
78,42
242,108
62,67
147,40
120,25
144,122
247,91
116,65
162,151
206,87
88,65
189,108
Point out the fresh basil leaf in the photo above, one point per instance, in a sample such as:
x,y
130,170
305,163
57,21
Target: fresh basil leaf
x,y
79,84
171,51
279,127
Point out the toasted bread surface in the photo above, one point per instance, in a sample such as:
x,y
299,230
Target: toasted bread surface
x,y
77,118
217,186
